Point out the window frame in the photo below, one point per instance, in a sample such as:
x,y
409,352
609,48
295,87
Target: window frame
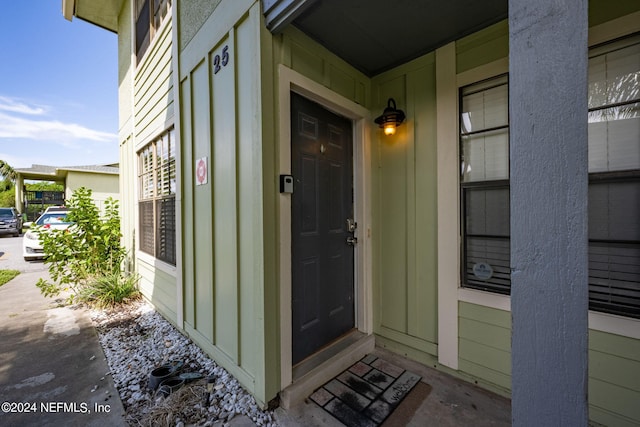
x,y
610,303
151,182
609,323
488,184
148,18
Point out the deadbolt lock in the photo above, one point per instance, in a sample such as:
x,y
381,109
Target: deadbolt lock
x,y
351,225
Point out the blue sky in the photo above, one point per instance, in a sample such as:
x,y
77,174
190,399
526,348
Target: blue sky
x,y
58,88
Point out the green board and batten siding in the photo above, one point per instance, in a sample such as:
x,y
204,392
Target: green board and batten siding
x,y
403,193
229,235
404,317
404,210
222,219
300,53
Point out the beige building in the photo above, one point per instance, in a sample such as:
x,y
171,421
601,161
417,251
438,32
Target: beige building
x,y
102,180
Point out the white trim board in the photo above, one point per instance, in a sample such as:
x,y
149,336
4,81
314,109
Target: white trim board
x,y
448,224
292,81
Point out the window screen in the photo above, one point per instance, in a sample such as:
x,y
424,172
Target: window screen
x,y
157,190
614,178
484,148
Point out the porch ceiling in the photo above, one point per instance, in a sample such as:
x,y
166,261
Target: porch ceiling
x,y
103,13
377,35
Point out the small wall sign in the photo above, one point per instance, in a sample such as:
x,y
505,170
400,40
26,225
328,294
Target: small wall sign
x,y
202,172
482,271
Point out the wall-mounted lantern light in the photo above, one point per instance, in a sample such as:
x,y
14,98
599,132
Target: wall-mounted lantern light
x,y
391,118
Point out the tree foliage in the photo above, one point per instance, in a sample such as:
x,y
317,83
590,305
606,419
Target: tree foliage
x,y
8,196
6,171
88,252
7,191
44,186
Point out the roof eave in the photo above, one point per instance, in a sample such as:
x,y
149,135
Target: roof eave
x,y
68,8
101,13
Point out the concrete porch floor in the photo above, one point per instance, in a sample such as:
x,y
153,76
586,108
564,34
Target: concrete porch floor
x,y
451,402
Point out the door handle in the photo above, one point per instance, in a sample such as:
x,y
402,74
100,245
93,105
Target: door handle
x,y
351,241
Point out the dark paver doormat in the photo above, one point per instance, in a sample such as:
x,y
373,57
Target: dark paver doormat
x,y
367,393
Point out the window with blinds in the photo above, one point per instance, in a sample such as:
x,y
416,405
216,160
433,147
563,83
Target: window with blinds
x,y
156,205
614,181
484,185
614,178
150,14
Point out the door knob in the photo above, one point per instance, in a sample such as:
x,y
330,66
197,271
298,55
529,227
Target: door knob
x,y
352,240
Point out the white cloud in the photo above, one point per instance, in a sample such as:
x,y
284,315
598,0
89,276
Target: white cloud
x,y
16,106
51,130
19,119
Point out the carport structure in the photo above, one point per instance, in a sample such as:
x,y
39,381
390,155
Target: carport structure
x,y
103,180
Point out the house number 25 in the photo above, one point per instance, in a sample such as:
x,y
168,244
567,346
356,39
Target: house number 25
x,y
221,61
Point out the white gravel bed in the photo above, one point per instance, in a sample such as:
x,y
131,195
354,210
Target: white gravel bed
x,y
135,340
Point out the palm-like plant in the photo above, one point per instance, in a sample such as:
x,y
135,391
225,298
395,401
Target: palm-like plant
x,y
7,172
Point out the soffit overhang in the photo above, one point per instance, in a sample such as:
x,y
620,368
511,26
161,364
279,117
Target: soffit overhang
x,y
103,13
377,35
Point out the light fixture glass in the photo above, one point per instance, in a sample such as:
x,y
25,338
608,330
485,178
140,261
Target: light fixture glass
x,y
391,118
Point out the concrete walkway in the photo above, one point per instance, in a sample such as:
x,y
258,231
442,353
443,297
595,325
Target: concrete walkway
x,y
52,368
53,372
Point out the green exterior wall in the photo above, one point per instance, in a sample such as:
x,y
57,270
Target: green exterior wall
x,y
485,333
483,47
614,379
614,363
146,110
601,11
404,209
224,282
484,340
230,226
298,52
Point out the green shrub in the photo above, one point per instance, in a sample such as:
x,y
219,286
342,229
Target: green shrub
x,y
87,252
7,196
107,291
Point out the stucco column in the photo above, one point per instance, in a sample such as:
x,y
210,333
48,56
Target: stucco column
x,y
549,178
19,193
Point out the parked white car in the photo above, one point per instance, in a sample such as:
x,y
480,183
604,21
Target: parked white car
x,y
31,245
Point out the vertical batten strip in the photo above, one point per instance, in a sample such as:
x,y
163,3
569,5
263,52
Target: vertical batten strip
x,y
409,133
222,73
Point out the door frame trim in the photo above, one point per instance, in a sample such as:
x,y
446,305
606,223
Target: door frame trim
x,y
292,81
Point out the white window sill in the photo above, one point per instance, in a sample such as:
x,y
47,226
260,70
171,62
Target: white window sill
x,y
604,322
156,263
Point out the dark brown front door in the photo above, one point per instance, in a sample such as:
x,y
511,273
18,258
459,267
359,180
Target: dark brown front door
x,y
322,201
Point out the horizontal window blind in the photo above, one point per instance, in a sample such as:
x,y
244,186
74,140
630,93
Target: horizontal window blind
x,y
157,190
484,158
614,178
